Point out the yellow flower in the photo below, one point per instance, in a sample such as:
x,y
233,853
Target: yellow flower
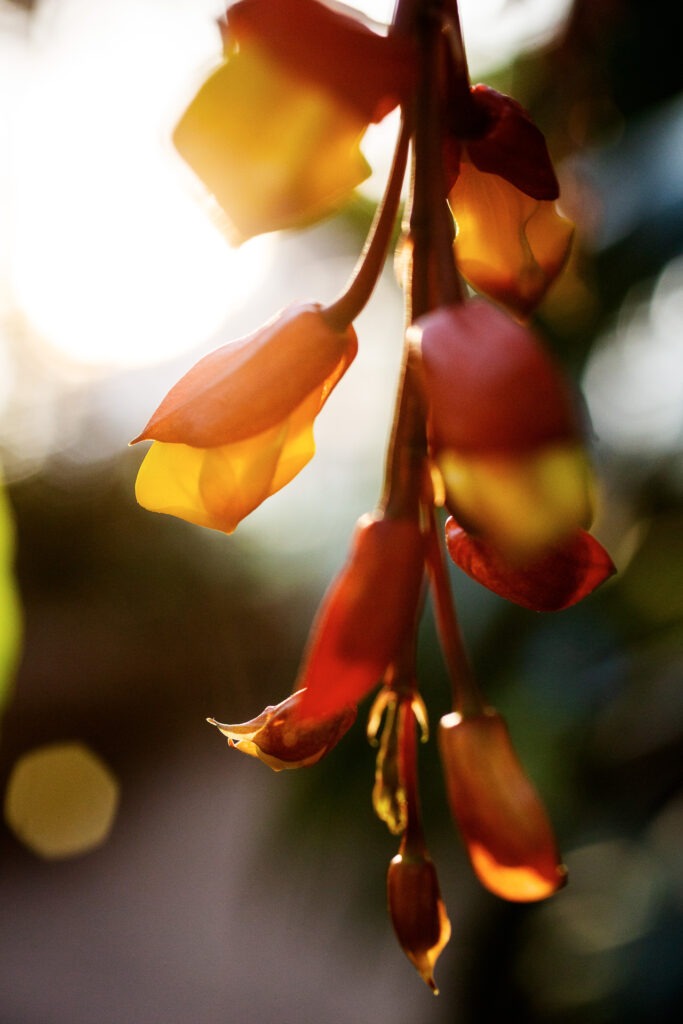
x,y
239,425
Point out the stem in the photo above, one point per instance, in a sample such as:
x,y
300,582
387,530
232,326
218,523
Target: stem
x,y
413,837
467,698
346,308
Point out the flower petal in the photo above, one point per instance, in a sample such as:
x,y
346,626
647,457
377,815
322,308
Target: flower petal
x,y
509,246
490,385
248,386
558,579
301,164
370,72
502,820
522,505
365,615
512,147
282,739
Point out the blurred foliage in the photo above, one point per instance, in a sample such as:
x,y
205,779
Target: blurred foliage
x,y
10,615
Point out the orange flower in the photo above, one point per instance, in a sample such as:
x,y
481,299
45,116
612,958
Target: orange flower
x,y
557,579
511,241
417,910
365,615
502,820
274,132
503,429
281,738
239,425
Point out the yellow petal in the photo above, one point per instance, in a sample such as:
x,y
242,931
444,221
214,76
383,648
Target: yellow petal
x,y
275,151
508,245
522,505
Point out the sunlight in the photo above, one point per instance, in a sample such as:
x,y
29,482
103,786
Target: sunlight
x,y
115,257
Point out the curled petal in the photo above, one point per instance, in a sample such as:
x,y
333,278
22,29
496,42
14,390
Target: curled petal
x,y
417,911
508,245
522,505
511,146
559,578
281,738
301,164
336,51
501,818
365,615
490,385
250,385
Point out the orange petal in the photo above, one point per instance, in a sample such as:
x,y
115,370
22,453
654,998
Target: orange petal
x,y
502,820
301,164
558,579
369,72
282,739
365,615
252,384
508,245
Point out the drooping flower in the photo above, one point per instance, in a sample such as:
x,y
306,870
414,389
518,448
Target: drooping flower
x,y
274,132
503,429
239,425
417,910
559,578
501,818
365,615
281,738
511,240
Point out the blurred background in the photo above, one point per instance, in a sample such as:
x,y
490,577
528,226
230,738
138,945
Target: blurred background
x,y
147,874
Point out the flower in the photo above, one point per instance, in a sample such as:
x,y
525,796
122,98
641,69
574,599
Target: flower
x,y
503,429
417,910
502,820
239,425
557,579
281,738
511,241
299,72
365,616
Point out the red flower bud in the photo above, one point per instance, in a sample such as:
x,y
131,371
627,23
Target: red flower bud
x,y
365,615
502,820
417,911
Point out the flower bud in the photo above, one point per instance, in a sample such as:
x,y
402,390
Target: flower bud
x,y
501,818
365,616
239,425
417,911
281,738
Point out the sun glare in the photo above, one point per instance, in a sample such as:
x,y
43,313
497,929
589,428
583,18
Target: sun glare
x,y
114,261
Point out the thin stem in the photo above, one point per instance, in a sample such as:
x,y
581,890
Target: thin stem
x,y
467,698
413,837
355,296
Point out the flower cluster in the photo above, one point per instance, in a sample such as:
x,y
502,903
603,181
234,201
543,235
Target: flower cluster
x,y
486,425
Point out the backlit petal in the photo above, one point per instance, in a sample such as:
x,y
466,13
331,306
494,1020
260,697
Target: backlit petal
x,y
502,820
508,245
557,579
418,913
